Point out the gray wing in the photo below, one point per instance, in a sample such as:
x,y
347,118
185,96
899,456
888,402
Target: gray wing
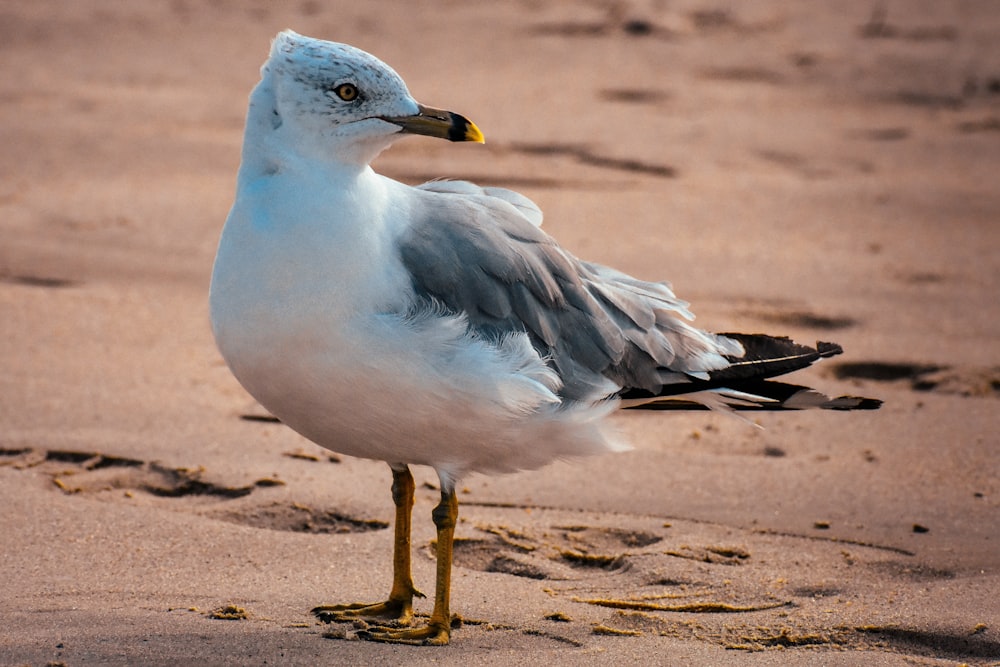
x,y
481,252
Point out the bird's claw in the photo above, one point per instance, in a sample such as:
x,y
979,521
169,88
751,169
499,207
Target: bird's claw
x,y
398,612
431,634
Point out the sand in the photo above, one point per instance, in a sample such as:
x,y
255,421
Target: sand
x,y
820,170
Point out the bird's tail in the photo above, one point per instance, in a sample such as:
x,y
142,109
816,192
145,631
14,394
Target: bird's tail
x,y
746,385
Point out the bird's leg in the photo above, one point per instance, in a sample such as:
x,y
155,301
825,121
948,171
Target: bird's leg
x,y
399,606
438,628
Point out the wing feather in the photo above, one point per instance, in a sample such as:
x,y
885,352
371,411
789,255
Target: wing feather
x,y
481,252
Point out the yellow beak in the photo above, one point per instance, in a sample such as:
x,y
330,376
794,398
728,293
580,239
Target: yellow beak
x,y
438,123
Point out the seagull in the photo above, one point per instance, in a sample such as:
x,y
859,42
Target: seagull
x,y
438,325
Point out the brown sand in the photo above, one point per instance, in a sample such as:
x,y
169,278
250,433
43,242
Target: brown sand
x,y
810,169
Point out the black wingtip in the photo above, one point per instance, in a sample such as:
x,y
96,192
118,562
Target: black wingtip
x,y
747,379
769,356
828,349
856,403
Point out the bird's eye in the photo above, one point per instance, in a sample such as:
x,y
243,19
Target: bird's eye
x,y
347,92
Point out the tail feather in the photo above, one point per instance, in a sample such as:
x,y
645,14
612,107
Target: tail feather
x,y
745,383
752,395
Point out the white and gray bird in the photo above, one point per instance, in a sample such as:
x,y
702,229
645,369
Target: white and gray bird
x,y
438,325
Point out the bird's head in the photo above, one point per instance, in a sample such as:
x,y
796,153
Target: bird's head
x,y
331,98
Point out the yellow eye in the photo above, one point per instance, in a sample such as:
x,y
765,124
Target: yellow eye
x,y
347,92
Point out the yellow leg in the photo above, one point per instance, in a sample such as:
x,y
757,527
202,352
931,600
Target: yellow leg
x,y
438,629
399,606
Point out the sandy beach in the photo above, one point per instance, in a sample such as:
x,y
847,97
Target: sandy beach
x,y
826,171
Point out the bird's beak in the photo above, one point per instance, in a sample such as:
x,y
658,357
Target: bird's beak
x,y
438,123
